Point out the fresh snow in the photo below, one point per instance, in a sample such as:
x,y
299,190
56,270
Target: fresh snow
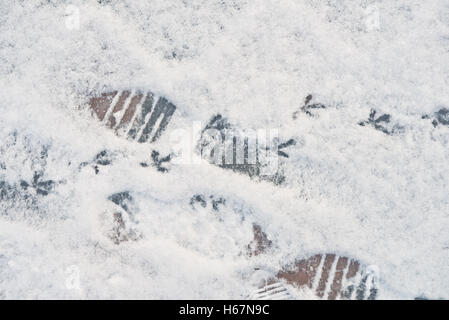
x,y
350,189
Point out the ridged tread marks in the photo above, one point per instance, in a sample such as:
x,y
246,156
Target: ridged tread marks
x,y
138,115
272,291
329,276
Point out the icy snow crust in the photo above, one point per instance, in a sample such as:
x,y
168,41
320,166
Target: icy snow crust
x,y
350,189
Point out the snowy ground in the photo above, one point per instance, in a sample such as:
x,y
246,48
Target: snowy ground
x,y
350,189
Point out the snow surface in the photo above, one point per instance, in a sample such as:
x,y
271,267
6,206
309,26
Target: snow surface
x,y
350,189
